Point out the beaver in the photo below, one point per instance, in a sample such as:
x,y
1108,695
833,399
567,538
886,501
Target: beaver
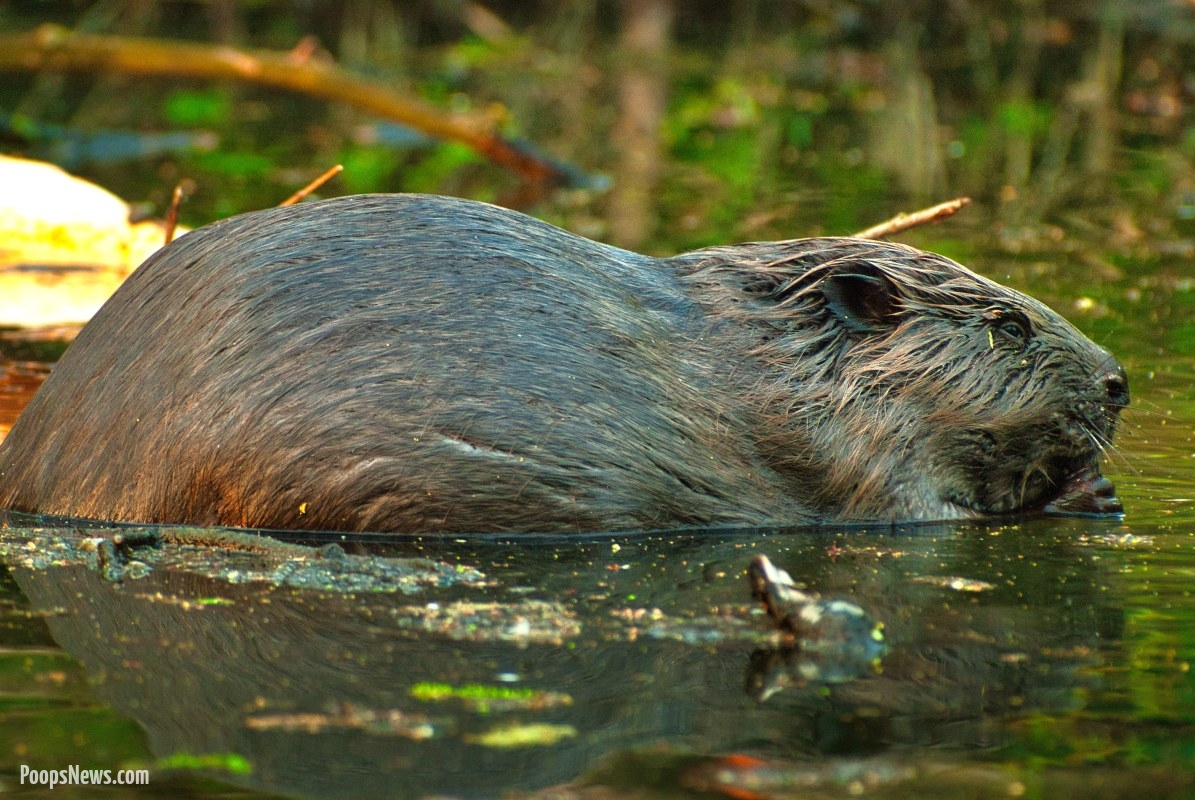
x,y
414,363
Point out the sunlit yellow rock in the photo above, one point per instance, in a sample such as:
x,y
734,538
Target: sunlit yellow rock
x,y
65,245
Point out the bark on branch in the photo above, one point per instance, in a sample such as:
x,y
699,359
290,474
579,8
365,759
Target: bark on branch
x,y
51,47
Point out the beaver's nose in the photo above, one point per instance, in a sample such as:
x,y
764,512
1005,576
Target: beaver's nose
x,y
1116,383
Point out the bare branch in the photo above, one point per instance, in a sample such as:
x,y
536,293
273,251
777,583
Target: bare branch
x,y
176,199
311,187
51,47
902,222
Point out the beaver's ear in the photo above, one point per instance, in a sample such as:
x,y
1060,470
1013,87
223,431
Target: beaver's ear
x,y
862,298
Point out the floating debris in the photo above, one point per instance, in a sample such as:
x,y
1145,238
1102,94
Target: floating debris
x,y
487,699
524,621
391,722
536,734
955,582
833,641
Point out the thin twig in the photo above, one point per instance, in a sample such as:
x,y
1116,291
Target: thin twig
x,y
176,200
311,187
902,222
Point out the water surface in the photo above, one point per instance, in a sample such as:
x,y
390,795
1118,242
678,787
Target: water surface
x,y
1041,657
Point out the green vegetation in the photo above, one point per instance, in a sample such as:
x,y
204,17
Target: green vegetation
x,y
230,763
771,119
485,699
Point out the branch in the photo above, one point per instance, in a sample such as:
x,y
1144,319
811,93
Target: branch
x,y
176,200
51,47
315,184
902,222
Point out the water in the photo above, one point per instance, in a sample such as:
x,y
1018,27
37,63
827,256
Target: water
x,y
1046,657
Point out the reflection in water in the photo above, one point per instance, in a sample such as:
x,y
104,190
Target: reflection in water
x,y
18,381
613,645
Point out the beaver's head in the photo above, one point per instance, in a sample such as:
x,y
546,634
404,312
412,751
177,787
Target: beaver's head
x,y
907,387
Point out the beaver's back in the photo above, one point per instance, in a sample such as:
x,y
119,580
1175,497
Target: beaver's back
x,y
391,362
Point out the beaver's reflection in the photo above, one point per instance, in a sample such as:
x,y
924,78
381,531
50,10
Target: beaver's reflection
x,y
314,687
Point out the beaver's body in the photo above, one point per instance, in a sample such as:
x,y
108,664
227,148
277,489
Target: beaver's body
x,y
415,363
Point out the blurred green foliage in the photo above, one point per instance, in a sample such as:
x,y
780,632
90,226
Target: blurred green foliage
x,y
777,115
199,107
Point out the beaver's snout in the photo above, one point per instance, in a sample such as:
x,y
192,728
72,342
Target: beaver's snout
x,y
1087,492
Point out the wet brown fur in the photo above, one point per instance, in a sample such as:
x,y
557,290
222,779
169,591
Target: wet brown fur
x,y
414,363
935,384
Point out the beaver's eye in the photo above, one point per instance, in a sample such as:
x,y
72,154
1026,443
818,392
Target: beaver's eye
x,y
1012,326
1014,331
